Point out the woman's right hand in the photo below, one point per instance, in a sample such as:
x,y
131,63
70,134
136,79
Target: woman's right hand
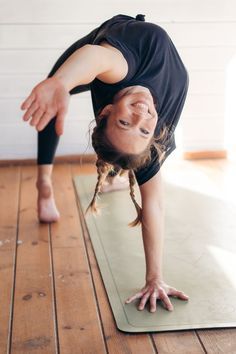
x,y
47,100
157,289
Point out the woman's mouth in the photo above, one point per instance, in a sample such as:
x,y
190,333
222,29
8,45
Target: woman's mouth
x,y
142,105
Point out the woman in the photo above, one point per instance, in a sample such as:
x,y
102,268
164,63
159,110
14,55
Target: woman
x,y
138,86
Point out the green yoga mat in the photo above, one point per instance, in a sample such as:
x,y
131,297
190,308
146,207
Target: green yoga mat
x,y
199,258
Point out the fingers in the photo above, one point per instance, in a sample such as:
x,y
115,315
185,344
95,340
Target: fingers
x,y
136,296
143,301
165,299
40,118
34,106
177,293
36,116
157,293
59,126
44,121
47,100
26,104
153,301
152,296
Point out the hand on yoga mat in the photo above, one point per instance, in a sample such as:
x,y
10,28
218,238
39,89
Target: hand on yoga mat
x,y
157,289
47,100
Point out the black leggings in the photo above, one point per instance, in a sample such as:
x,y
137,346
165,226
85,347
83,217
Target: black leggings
x,y
47,138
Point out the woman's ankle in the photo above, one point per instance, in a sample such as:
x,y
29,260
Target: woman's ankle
x,y
45,172
44,187
44,179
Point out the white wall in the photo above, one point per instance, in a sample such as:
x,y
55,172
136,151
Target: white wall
x,y
34,33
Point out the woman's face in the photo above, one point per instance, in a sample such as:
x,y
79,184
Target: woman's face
x,y
132,119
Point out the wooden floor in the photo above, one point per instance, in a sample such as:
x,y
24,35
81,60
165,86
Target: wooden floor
x,y
52,296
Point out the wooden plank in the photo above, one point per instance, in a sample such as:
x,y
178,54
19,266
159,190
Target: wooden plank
x,y
205,34
75,140
42,36
58,36
79,327
201,106
206,58
33,319
25,132
74,133
80,12
16,87
80,109
207,82
198,106
178,342
85,158
116,341
208,132
200,135
13,151
28,151
41,60
219,341
204,146
190,155
9,197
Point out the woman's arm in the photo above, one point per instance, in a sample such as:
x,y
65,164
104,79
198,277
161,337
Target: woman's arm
x,y
152,196
153,236
50,98
89,62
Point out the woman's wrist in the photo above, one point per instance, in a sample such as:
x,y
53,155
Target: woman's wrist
x,y
154,276
61,81
154,268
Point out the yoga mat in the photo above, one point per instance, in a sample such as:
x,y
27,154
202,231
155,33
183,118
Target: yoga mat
x,y
199,257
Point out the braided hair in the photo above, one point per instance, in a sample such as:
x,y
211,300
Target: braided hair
x,y
103,170
110,160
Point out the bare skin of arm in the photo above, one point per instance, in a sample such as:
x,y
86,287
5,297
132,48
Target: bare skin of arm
x,y
153,240
153,225
90,62
50,97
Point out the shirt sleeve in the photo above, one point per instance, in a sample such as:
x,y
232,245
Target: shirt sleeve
x,y
126,52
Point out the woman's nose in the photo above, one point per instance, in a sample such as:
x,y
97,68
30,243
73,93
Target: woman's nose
x,y
140,115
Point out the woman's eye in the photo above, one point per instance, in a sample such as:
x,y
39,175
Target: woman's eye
x,y
144,131
123,122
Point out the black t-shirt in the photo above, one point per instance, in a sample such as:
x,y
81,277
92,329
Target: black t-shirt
x,y
153,62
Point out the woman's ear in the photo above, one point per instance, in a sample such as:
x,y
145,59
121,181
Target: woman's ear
x,y
106,110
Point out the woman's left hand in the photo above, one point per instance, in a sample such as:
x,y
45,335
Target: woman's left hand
x,y
47,100
157,289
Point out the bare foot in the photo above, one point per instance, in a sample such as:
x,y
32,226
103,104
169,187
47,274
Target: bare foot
x,y
47,210
115,183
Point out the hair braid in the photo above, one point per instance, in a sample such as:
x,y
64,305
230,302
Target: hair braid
x,y
132,182
103,169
